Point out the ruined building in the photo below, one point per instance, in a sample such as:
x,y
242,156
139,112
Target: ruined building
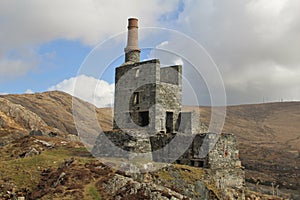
x,y
148,96
148,118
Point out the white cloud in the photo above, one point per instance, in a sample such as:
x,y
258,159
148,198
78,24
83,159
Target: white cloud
x,y
29,91
178,61
162,45
95,91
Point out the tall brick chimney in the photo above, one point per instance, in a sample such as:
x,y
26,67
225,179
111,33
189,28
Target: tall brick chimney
x,y
132,51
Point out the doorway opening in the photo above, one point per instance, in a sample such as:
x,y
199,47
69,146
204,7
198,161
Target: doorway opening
x,y
143,118
169,122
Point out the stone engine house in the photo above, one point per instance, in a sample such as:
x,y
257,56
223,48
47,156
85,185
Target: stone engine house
x,y
154,102
148,96
148,117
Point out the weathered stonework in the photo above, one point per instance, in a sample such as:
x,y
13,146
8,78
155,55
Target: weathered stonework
x,y
146,97
123,144
222,162
132,56
148,119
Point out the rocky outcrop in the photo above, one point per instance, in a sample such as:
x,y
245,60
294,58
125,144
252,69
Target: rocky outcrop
x,y
22,116
17,121
56,109
125,187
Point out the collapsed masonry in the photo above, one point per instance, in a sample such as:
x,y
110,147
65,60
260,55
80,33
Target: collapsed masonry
x,y
148,118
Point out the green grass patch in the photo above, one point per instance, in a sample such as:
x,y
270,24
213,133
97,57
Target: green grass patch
x,y
190,174
25,172
165,175
91,192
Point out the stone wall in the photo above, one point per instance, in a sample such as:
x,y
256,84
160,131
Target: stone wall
x,y
143,100
222,160
225,153
171,75
169,147
122,144
188,122
225,163
168,99
135,78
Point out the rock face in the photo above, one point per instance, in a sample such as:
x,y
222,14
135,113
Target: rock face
x,y
171,182
122,186
21,115
54,108
17,121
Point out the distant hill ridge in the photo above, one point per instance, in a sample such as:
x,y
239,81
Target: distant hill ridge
x,y
55,108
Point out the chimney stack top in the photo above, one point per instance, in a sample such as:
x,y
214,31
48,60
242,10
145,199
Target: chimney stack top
x,y
132,23
132,50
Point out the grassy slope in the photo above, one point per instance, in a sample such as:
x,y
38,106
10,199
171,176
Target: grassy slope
x,y
34,176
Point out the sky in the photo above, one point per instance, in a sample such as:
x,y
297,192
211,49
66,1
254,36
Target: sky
x,y
252,46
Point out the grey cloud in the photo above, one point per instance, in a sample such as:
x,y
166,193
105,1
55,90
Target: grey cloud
x,y
255,44
36,22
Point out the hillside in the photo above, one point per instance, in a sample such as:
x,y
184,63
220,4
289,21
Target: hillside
x,y
269,137
56,109
268,134
64,170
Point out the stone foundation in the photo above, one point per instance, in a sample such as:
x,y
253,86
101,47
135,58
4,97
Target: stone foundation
x,y
222,161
